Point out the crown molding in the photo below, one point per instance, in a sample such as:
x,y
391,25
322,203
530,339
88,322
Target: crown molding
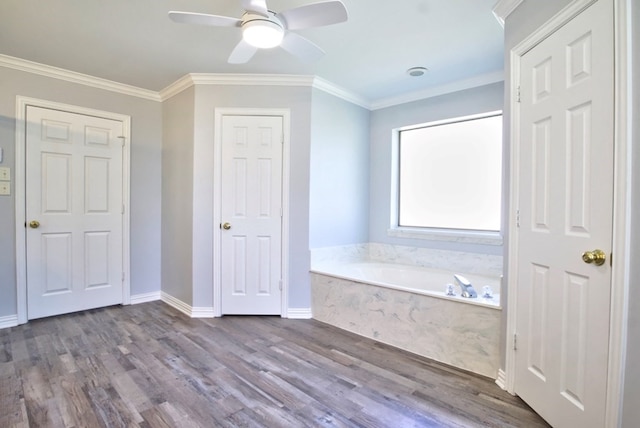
x,y
183,83
474,82
503,8
191,79
225,79
74,77
337,91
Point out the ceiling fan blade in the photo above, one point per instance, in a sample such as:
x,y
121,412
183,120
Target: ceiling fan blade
x,y
258,7
314,15
242,53
301,47
203,19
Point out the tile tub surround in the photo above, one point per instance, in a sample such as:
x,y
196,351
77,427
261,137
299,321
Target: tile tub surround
x,y
455,261
461,335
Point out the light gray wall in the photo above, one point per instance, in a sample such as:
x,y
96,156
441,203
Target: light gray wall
x,y
339,175
177,194
463,103
298,100
631,407
145,173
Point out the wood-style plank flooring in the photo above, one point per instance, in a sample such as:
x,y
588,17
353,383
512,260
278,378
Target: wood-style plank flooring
x,y
150,366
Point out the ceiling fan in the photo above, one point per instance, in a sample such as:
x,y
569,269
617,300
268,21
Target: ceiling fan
x,y
262,28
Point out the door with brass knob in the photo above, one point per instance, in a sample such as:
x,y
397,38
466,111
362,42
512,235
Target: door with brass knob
x,y
34,224
563,174
596,257
226,226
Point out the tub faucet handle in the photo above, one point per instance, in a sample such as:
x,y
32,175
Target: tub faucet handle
x,y
450,291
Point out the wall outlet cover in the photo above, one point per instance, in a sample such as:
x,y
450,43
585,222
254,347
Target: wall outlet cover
x,y
5,173
5,188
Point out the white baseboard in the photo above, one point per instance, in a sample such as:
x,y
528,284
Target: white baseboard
x,y
8,321
202,312
502,379
145,297
188,310
176,303
299,313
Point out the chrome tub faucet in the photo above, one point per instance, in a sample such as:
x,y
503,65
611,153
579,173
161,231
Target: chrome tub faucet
x,y
466,289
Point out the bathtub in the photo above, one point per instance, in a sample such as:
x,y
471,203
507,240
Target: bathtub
x,y
413,279
407,307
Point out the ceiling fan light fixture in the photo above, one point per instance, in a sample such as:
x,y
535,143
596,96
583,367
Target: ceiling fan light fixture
x,y
262,33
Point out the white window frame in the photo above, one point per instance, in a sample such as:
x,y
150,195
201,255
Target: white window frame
x,y
427,233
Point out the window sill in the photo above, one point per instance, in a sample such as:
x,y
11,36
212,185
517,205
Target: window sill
x,y
450,235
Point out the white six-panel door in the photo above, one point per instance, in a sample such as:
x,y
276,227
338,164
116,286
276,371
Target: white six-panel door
x,y
251,214
565,207
74,212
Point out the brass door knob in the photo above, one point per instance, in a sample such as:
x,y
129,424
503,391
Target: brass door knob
x,y
34,224
226,226
596,256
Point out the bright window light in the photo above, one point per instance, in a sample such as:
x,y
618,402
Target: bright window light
x,y
450,175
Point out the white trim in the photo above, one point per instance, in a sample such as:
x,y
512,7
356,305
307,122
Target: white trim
x,y
503,8
251,79
299,314
185,82
621,205
20,193
191,79
8,321
217,190
202,312
620,276
185,308
337,91
136,299
224,79
176,303
74,77
460,85
502,379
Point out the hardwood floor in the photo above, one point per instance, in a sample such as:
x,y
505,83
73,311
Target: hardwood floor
x,y
150,366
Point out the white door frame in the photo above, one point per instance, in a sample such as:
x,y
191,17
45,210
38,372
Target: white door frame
x,y
20,193
621,202
217,191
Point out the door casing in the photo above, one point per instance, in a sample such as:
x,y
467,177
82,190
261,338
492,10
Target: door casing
x,y
621,201
217,187
20,193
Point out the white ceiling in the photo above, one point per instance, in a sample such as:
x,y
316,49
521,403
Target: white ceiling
x,y
134,42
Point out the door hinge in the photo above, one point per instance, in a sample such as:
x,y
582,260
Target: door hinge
x,y
122,208
280,285
515,342
122,276
518,94
517,218
123,138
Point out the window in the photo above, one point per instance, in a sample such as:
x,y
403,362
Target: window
x,y
449,175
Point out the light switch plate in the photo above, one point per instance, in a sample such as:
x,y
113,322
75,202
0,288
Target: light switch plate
x,y
5,188
5,173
